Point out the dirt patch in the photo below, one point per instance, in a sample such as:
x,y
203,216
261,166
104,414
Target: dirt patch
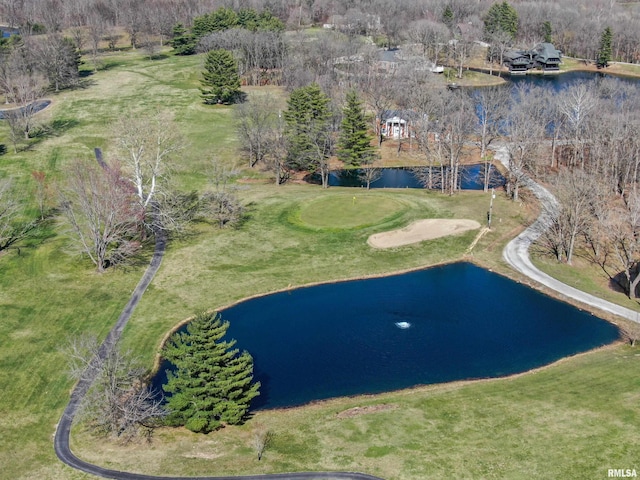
x,y
356,411
421,230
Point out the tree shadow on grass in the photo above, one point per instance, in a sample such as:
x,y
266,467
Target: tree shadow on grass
x,y
619,283
50,130
84,82
157,56
56,128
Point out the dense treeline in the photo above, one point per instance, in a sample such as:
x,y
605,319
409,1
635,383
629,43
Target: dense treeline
x,y
570,24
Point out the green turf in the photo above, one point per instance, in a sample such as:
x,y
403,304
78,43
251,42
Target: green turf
x,y
348,211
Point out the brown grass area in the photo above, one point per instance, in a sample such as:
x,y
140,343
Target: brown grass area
x,y
357,411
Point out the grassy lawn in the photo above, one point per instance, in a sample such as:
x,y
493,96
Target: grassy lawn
x,y
339,212
574,419
294,235
46,297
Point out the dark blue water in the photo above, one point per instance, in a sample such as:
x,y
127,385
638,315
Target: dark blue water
x,y
562,81
470,178
35,107
342,339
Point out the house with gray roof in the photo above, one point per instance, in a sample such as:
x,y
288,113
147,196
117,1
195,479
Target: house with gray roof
x,y
546,57
543,56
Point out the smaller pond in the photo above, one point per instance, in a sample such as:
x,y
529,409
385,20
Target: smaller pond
x,y
470,178
34,107
442,324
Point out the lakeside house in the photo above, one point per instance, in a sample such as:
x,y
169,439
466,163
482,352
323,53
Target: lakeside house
x,y
547,57
543,56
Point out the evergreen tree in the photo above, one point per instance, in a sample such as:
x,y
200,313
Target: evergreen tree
x,y
307,127
268,21
221,19
248,18
547,30
354,144
183,42
448,17
220,78
605,52
212,384
501,17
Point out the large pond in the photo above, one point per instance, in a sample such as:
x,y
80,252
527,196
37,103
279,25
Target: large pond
x,y
437,325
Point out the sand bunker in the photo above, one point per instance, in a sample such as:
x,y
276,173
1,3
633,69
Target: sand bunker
x,y
421,230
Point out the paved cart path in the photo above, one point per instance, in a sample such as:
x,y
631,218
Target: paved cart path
x,y
516,253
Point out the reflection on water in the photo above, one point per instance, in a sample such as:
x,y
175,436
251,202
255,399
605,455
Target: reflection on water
x,y
471,178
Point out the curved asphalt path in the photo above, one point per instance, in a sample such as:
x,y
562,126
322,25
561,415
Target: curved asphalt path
x,y
516,253
63,429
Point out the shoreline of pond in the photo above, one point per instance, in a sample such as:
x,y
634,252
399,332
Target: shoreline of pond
x,y
495,77
505,275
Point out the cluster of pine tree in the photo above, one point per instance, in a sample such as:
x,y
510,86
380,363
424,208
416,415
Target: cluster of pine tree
x,y
501,17
184,42
213,382
310,138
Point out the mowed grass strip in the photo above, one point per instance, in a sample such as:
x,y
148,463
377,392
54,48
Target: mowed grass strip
x,y
348,211
574,419
47,297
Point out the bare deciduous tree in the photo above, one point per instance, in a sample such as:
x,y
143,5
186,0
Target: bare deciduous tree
x,y
23,87
118,404
260,440
577,104
57,58
13,224
96,30
575,192
41,190
256,120
369,174
222,205
631,331
276,159
624,232
491,107
145,146
525,133
102,212
379,92
456,125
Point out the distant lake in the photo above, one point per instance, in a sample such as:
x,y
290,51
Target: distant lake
x,y
560,81
441,324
